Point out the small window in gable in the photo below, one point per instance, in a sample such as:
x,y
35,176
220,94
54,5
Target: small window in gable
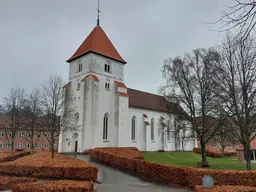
x,y
80,67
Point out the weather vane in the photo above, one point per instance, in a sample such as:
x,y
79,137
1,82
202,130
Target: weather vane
x,y
98,20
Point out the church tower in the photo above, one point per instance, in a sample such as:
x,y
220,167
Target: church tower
x,y
96,72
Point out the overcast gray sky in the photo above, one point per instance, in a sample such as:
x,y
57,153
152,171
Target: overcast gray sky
x,y
37,37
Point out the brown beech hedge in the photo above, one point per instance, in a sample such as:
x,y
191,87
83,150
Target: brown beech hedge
x,y
6,181
225,188
5,157
55,186
187,177
41,165
208,153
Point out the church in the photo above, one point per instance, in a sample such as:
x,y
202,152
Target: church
x,y
110,113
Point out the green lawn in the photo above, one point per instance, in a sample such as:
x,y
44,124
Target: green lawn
x,y
191,159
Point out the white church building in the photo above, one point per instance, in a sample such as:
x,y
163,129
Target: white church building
x,y
110,113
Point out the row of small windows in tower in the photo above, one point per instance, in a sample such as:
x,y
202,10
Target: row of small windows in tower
x,y
107,67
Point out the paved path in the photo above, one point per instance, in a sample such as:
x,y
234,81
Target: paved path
x,y
113,180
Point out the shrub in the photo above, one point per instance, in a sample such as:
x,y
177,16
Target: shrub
x,y
41,165
54,186
226,188
6,157
6,181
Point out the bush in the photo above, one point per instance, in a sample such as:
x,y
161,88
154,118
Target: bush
x,y
41,165
225,189
6,157
6,181
54,186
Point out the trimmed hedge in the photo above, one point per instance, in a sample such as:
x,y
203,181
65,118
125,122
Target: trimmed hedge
x,y
225,188
208,153
6,157
54,186
6,181
132,152
41,165
187,177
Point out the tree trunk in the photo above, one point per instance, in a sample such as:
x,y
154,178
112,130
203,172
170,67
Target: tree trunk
x,y
12,146
203,150
222,150
52,146
52,150
247,156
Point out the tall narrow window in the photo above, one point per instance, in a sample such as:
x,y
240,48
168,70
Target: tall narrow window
x,y
133,127
152,129
106,67
168,131
80,67
105,127
78,85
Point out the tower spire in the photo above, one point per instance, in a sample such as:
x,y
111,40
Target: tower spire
x,y
98,20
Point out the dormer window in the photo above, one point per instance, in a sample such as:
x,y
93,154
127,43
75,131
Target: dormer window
x,y
107,67
80,67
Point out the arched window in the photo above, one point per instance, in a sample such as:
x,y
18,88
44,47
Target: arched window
x,y
80,66
105,126
133,127
107,67
152,129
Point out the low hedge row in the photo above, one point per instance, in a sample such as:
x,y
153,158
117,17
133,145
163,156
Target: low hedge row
x,y
41,165
6,181
131,152
225,188
54,186
208,153
187,177
6,157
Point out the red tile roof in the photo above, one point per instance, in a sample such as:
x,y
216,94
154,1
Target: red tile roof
x,y
144,100
123,94
120,84
97,42
95,78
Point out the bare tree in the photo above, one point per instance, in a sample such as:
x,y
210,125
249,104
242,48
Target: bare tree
x,y
190,81
239,16
32,118
236,88
56,103
12,120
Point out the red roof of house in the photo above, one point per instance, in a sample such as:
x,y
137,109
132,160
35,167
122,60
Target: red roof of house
x,y
97,42
140,99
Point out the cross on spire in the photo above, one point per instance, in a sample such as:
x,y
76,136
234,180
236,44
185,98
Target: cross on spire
x,y
98,20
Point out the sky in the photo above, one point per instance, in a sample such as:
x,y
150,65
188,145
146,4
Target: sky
x,y
37,37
